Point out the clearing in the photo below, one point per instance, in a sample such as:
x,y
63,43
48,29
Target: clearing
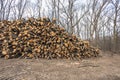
x,y
106,67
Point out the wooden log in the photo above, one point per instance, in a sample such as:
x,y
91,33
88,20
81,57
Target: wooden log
x,y
41,38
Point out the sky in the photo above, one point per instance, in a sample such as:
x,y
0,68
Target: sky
x,y
45,9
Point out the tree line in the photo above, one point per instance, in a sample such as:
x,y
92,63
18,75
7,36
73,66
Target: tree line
x,y
95,20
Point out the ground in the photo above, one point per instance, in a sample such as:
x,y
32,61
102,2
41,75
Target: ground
x,y
106,67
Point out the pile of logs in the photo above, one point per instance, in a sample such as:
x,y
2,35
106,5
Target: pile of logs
x,y
41,38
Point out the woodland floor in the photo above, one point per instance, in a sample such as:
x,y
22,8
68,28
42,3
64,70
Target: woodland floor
x,y
106,67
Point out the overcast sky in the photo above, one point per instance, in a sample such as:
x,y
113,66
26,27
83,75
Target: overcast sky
x,y
45,9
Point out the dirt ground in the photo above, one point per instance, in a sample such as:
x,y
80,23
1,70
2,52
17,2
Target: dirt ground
x,y
106,67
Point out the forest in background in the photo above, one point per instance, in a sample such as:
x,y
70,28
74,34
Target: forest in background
x,y
95,20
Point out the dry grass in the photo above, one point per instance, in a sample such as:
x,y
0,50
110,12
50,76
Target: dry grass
x,y
102,68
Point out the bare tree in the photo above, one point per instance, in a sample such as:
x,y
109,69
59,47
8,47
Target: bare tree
x,y
5,7
39,6
21,8
68,14
116,6
94,17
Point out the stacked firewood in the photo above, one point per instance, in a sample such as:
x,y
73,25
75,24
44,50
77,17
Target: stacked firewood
x,y
41,38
